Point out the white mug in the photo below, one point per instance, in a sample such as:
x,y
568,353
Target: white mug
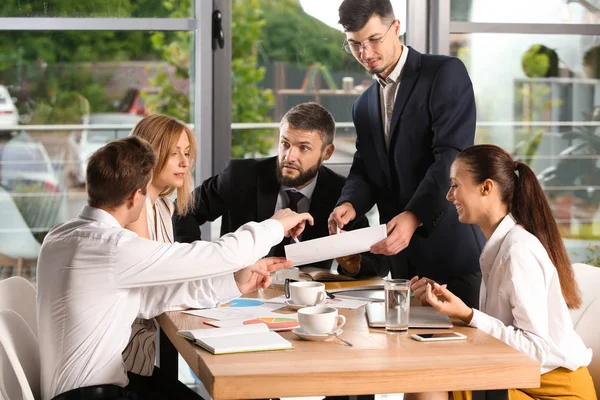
x,y
320,320
307,293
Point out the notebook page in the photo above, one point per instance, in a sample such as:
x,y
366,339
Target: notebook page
x,y
222,332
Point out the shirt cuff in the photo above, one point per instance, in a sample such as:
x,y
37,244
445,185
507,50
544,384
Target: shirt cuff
x,y
479,320
275,228
225,288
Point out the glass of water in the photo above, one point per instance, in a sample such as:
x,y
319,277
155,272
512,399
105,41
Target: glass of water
x,y
397,304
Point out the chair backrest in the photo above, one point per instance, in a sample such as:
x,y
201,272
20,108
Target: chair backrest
x,y
587,318
16,239
18,294
19,359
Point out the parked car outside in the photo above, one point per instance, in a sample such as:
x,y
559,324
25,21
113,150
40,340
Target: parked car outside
x,y
9,115
82,143
134,103
27,174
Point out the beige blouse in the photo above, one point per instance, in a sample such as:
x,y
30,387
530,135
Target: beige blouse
x,y
140,353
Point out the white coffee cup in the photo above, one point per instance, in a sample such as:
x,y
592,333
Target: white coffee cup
x,y
307,293
320,320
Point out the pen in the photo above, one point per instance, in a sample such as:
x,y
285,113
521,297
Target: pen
x,y
295,239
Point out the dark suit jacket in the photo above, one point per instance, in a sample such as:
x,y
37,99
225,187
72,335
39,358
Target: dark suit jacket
x,y
247,191
433,119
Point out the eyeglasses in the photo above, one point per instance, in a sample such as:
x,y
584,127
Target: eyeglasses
x,y
372,44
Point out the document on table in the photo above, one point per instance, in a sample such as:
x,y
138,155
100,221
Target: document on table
x,y
334,246
241,309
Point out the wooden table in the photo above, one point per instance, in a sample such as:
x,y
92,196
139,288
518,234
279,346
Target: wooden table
x,y
377,363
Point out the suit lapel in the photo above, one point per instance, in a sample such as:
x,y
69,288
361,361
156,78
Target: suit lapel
x,y
319,208
377,132
267,190
410,74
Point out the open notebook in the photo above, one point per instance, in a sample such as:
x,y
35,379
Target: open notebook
x,y
239,339
321,275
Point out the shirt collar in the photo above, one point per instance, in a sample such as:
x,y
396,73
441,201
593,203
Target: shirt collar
x,y
396,72
307,190
97,214
491,248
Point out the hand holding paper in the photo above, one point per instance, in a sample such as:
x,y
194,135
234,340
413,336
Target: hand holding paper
x,y
400,230
327,248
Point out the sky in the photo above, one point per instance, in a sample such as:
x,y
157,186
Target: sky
x,y
327,11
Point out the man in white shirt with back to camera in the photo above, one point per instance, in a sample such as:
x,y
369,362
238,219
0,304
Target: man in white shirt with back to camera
x,y
95,277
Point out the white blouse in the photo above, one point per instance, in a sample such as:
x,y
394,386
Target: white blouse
x,y
521,301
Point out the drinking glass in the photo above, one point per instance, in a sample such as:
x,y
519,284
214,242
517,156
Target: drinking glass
x,y
397,305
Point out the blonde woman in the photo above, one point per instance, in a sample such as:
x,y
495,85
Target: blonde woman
x,y
175,147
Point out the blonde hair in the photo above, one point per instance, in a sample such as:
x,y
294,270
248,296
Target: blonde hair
x,y
163,133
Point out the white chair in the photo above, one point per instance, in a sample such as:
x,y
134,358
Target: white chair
x,y
18,294
587,318
19,359
18,247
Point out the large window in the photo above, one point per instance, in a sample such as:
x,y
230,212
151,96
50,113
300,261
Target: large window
x,y
298,50
535,68
95,8
53,81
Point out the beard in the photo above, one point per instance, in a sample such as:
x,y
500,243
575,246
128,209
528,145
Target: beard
x,y
377,70
303,178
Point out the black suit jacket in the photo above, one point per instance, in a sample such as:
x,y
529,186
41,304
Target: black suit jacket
x,y
247,189
433,119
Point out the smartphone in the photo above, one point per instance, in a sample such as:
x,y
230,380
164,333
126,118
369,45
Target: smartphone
x,y
430,337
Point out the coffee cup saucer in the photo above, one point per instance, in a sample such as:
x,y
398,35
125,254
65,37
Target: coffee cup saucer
x,y
294,306
298,331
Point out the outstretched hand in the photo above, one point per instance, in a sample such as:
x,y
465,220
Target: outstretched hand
x,y
340,217
292,222
258,275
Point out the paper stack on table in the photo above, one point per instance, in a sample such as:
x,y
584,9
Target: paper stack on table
x,y
334,246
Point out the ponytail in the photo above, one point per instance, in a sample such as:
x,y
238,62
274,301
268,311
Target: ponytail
x,y
531,210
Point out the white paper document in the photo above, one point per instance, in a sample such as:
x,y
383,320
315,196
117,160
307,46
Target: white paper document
x,y
334,246
239,309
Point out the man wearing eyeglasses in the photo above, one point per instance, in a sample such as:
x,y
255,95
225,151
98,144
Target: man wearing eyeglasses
x,y
410,124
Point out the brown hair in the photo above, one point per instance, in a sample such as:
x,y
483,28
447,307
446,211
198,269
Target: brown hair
x,y
311,116
163,133
526,200
118,169
354,14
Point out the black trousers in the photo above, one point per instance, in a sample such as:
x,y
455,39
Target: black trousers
x,y
159,386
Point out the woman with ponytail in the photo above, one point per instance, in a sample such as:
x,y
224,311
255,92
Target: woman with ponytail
x,y
528,285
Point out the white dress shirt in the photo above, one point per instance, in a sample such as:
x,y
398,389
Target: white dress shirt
x,y
394,80
95,277
521,301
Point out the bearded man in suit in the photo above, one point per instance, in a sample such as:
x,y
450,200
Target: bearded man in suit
x,y
252,189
